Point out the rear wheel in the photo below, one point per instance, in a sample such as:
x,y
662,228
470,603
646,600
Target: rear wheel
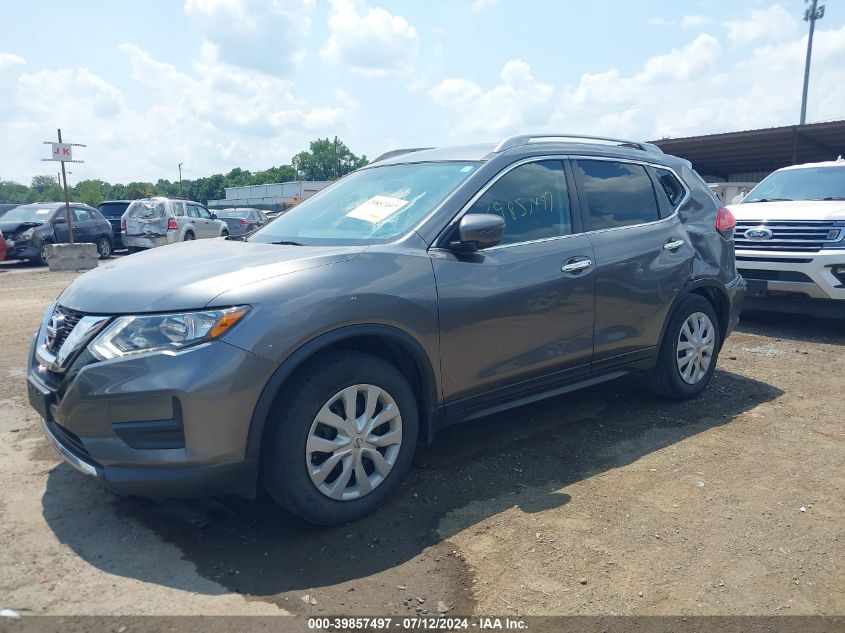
x,y
104,247
190,236
688,353
341,439
225,233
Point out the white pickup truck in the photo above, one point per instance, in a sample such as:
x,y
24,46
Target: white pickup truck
x,y
790,240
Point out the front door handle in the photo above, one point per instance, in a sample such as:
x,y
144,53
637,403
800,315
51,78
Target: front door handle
x,y
575,267
673,245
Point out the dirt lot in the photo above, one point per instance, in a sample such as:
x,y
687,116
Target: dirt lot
x,y
603,502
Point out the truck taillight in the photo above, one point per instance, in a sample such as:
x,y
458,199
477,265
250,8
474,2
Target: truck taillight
x,y
172,224
725,220
122,224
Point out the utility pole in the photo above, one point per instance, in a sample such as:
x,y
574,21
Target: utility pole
x,y
180,179
812,14
335,159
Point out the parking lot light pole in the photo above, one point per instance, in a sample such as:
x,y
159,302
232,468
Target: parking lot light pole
x,y
180,179
812,14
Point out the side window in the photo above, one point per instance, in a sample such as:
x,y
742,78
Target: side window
x,y
204,213
669,185
618,194
192,211
533,200
80,215
177,209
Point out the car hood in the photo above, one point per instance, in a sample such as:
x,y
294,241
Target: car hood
x,y
790,210
189,275
10,228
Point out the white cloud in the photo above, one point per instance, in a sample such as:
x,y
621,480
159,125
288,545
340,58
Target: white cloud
x,y
772,23
370,41
10,60
519,100
659,21
691,21
259,34
212,118
480,5
695,89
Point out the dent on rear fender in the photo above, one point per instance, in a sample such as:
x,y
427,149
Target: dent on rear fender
x,y
714,255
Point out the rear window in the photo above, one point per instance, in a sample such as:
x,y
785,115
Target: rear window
x,y
113,210
618,194
146,209
233,214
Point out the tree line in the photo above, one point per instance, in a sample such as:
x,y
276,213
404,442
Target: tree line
x,y
325,160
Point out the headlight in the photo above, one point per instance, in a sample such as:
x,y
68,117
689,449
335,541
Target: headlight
x,y
134,334
26,235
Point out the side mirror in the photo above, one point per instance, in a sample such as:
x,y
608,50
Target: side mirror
x,y
479,230
60,220
213,216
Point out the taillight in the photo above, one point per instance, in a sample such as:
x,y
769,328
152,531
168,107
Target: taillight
x,y
725,220
172,224
122,224
245,222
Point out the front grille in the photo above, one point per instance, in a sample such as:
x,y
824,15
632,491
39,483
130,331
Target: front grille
x,y
70,319
775,275
807,236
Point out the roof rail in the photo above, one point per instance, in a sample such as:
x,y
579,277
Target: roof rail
x,y
399,152
524,139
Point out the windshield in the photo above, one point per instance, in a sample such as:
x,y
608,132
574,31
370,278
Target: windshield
x,y
29,213
368,206
113,210
146,209
807,183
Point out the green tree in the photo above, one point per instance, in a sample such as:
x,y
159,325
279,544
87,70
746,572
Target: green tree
x,y
91,192
11,191
326,160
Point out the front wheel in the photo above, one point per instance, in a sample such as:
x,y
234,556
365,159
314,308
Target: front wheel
x,y
44,254
341,439
688,353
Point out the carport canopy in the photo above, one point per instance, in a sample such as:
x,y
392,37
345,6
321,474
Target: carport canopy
x,y
759,150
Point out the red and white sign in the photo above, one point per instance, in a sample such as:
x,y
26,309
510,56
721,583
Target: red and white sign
x,y
61,151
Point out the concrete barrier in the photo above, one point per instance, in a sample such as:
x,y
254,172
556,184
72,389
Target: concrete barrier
x,y
72,256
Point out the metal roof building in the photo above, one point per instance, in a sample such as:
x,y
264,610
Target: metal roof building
x,y
271,197
751,155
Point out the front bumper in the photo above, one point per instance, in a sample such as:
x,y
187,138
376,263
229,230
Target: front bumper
x,y
161,425
21,250
785,275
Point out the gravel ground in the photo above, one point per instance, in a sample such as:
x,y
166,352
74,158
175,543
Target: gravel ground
x,y
607,501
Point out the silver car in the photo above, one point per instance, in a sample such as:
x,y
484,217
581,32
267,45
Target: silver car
x,y
158,221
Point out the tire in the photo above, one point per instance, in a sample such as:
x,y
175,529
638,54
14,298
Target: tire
x,y
685,366
43,259
189,236
293,430
104,247
224,233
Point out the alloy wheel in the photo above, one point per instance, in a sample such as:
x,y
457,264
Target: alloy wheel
x,y
694,350
354,442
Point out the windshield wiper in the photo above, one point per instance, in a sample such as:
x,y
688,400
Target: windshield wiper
x,y
287,243
770,200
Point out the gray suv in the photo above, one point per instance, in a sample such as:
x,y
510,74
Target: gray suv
x,y
428,288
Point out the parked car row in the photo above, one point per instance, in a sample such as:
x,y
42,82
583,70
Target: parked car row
x,y
132,224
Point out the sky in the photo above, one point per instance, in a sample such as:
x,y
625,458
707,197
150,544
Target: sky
x,y
217,84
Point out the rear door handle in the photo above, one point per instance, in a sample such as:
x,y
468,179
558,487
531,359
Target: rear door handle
x,y
577,266
673,245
